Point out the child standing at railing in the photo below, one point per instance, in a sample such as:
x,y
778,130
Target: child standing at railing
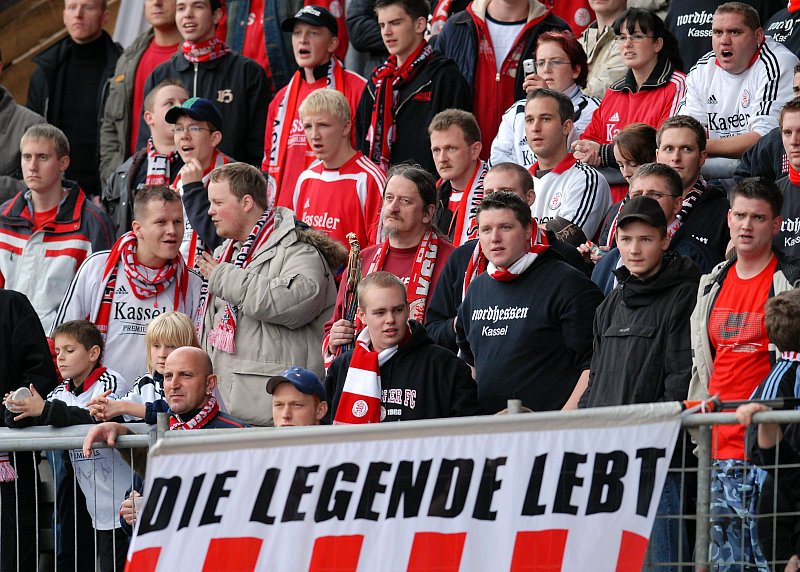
x,y
773,446
164,334
104,477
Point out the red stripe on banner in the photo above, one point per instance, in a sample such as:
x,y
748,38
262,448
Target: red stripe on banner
x,y
632,549
436,551
336,553
539,551
234,554
144,560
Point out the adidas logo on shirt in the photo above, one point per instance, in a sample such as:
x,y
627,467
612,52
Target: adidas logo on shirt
x,y
308,204
712,100
121,290
614,117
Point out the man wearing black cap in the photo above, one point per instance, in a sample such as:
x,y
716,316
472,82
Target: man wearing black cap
x,y
197,134
286,150
237,85
642,341
298,398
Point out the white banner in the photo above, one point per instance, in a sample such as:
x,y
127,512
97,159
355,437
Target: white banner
x,y
518,493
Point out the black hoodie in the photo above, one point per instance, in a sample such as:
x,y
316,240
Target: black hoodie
x,y
642,347
421,381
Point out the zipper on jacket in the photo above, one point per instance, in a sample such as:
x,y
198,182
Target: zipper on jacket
x,y
410,95
497,77
194,87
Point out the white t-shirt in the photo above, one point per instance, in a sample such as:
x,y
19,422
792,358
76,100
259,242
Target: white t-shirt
x,y
125,350
503,35
729,105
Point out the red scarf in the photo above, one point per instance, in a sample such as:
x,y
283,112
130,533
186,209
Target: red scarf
x,y
419,282
206,414
439,16
204,51
360,401
143,287
464,219
478,263
388,80
158,165
282,126
794,176
223,336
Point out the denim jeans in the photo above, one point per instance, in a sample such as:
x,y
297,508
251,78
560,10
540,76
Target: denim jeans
x,y
668,540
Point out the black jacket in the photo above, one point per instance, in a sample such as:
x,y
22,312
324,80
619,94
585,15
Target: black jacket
x,y
421,381
24,354
45,92
438,85
446,298
642,347
767,158
240,91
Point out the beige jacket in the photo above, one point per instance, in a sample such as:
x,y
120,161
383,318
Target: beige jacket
x,y
284,297
605,62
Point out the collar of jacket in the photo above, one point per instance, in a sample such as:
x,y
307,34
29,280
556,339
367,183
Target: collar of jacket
x,y
182,64
536,10
659,77
68,216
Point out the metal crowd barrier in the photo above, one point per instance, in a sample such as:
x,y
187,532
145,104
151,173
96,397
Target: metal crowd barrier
x,y
694,474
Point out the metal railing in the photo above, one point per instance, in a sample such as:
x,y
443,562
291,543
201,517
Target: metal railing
x,y
694,468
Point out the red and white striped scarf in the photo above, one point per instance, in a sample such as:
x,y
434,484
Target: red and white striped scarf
x,y
360,401
419,282
158,165
223,336
193,251
439,16
206,414
282,126
465,218
204,51
124,250
7,472
388,79
478,263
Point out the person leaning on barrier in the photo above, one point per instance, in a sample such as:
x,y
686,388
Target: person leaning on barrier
x,y
409,377
770,444
189,383
732,355
24,361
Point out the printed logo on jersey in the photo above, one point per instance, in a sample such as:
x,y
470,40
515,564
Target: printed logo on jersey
x,y
494,314
400,398
121,290
739,331
582,17
712,100
614,118
699,24
225,95
735,122
746,98
555,202
791,226
307,204
360,408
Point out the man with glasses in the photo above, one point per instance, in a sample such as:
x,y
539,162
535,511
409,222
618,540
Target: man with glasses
x,y
565,187
662,183
197,133
736,90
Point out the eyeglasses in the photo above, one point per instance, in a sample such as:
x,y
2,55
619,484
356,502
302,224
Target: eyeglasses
x,y
193,129
554,63
652,194
635,38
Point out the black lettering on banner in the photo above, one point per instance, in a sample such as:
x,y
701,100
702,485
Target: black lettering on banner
x,y
567,481
264,498
609,468
191,501
407,489
647,477
372,487
444,482
531,506
168,488
296,491
341,499
218,491
489,484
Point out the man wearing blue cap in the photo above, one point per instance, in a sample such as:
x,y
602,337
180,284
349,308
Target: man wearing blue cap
x,y
298,398
197,133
